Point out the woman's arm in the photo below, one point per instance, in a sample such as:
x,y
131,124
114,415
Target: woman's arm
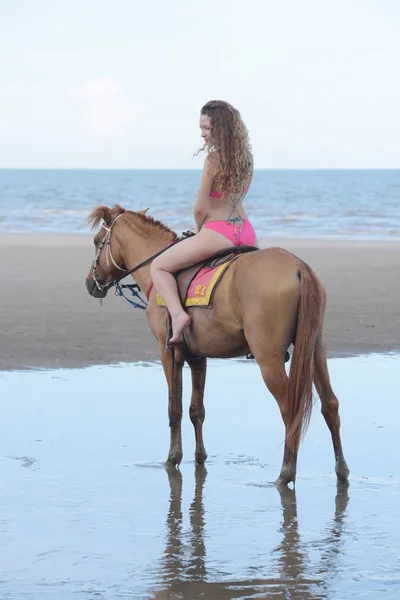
x,y
203,195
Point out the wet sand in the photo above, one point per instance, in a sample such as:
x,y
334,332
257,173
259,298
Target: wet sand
x,y
88,510
49,320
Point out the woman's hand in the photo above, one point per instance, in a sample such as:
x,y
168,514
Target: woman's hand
x,y
190,232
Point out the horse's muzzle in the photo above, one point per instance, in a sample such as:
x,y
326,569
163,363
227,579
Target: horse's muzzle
x,y
93,289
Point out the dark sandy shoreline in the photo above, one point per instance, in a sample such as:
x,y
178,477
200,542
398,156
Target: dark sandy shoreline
x,y
48,320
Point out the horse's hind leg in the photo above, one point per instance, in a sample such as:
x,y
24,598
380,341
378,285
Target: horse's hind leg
x,y
329,407
198,367
172,362
272,367
276,380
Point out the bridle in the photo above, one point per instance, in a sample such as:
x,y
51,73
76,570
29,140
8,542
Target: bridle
x,y
125,272
107,242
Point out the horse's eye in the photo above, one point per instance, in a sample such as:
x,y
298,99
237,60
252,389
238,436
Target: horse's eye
x,y
96,243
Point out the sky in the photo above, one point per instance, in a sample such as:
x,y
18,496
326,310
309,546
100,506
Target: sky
x,y
120,84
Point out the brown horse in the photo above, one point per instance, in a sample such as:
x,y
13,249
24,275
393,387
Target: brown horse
x,y
266,301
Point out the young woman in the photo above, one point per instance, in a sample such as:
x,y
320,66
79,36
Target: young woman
x,y
221,221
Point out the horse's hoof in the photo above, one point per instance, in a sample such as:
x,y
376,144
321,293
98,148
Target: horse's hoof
x,y
342,471
282,482
174,460
200,458
343,476
286,476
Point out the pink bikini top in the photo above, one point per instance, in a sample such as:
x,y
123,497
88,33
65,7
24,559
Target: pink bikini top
x,y
215,194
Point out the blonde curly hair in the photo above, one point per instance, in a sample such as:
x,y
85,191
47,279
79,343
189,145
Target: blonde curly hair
x,y
231,160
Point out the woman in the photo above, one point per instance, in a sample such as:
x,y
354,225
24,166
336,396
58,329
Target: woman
x,y
221,221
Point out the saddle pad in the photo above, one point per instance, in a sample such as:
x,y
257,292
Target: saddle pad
x,y
203,284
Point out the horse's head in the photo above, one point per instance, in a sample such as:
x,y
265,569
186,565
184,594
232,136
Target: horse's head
x,y
108,263
113,240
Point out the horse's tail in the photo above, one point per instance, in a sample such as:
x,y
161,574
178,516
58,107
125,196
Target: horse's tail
x,y
299,400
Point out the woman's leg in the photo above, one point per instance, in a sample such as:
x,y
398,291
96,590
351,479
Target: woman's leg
x,y
188,252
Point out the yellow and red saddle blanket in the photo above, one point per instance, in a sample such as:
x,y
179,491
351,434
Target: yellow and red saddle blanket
x,y
201,286
197,284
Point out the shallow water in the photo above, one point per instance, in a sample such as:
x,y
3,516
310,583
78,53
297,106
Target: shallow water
x,y
88,511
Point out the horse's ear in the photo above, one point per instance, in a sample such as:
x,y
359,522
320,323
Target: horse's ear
x,y
107,218
143,212
99,214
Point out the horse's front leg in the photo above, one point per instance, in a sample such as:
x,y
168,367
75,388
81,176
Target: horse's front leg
x,y
198,367
172,362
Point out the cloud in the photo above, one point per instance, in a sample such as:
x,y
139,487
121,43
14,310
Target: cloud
x,y
108,110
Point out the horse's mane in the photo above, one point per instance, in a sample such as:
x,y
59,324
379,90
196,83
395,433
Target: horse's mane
x,y
103,213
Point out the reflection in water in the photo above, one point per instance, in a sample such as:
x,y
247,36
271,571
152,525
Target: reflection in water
x,y
183,573
291,554
101,526
183,565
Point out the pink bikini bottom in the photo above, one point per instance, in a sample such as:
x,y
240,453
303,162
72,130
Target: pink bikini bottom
x,y
240,233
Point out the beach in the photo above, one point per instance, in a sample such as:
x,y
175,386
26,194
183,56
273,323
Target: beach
x,y
50,321
82,450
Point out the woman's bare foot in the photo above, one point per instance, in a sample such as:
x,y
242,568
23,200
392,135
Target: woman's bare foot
x,y
179,323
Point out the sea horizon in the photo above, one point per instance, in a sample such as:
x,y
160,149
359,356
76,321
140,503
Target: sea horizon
x,y
295,203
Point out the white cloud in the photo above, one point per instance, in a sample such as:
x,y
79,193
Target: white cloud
x,y
108,109
309,101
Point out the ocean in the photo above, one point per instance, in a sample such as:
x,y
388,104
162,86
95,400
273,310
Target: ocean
x,y
332,204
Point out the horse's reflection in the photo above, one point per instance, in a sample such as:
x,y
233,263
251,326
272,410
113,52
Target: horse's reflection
x,y
184,556
183,574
